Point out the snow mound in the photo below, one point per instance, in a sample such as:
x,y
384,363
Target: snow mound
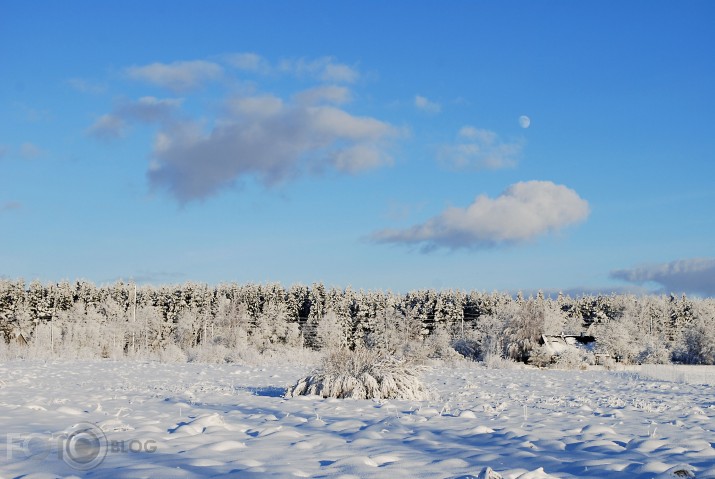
x,y
362,374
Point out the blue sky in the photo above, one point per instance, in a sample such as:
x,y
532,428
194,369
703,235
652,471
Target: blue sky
x,y
380,145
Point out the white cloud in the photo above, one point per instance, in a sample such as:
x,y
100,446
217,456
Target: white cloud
x,y
522,212
479,149
337,95
358,158
107,127
149,109
266,138
249,62
471,133
338,72
29,151
177,76
324,69
146,109
695,276
424,104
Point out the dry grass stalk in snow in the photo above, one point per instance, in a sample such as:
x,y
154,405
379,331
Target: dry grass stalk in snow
x,y
362,374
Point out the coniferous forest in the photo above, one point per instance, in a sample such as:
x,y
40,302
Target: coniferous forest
x,y
233,322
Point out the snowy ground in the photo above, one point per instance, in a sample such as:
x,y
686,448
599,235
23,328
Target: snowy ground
x,y
198,420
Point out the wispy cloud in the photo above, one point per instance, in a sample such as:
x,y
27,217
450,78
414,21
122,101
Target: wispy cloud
x,y
479,149
248,61
337,95
147,109
107,127
10,206
694,276
31,114
422,103
324,69
522,212
29,151
270,139
87,86
177,76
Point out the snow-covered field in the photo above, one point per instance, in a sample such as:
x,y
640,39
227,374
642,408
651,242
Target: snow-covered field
x,y
198,420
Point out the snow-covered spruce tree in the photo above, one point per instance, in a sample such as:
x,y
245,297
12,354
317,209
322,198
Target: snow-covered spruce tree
x,y
362,374
273,328
14,314
316,297
340,303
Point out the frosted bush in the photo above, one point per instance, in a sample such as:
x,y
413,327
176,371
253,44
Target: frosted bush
x,y
541,357
574,358
211,353
698,343
654,351
172,353
362,374
287,354
4,350
494,361
438,345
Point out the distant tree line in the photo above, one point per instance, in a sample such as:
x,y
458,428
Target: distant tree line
x,y
79,319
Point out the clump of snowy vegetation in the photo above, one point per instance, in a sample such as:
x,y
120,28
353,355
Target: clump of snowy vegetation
x,y
362,374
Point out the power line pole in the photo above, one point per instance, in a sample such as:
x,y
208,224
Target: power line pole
x,y
134,320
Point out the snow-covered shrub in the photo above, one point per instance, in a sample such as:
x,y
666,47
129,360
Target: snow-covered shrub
x,y
362,374
574,358
287,354
698,342
438,345
211,353
494,361
541,357
13,350
654,351
171,353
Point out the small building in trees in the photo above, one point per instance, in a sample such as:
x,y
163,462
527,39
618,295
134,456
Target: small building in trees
x,y
558,344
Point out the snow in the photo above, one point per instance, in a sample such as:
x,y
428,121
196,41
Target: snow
x,y
200,420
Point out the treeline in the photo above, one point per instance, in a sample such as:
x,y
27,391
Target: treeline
x,y
231,320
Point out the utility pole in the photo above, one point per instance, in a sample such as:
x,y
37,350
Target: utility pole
x,y
134,320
